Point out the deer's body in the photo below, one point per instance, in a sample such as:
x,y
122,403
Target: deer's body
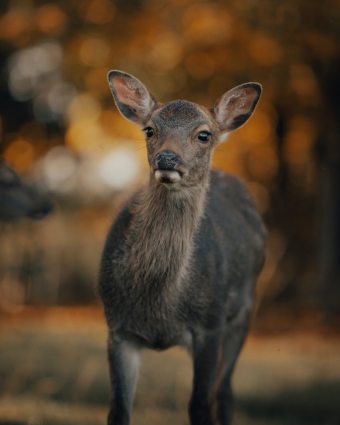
x,y
181,260
192,289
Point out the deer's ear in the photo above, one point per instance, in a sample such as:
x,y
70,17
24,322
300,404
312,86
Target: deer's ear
x,y
132,98
236,106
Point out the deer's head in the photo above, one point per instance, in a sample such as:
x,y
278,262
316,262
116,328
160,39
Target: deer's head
x,y
181,135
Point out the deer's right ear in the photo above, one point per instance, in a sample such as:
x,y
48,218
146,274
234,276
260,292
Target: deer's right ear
x,y
132,98
236,106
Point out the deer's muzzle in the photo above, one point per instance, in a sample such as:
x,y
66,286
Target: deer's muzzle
x,y
166,160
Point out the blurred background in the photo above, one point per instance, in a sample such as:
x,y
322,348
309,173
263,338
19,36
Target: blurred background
x,y
60,130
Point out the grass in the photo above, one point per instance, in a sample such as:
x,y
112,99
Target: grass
x,y
53,370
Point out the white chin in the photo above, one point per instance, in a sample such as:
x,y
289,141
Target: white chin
x,y
167,176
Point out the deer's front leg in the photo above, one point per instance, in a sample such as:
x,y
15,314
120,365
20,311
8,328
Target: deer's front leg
x,y
124,361
205,357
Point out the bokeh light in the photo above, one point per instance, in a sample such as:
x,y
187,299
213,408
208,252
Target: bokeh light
x,y
29,65
119,168
59,166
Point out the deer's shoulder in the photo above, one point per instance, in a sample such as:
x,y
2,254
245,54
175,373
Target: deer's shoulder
x,y
227,185
229,193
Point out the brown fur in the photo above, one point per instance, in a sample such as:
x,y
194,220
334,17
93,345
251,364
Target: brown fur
x,y
181,260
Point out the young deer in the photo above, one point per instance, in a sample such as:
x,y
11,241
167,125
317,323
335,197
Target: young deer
x,y
17,199
181,260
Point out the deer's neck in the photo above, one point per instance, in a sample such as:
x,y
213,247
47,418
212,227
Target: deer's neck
x,y
162,232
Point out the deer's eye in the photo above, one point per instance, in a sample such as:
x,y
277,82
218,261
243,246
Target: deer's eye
x,y
149,131
203,136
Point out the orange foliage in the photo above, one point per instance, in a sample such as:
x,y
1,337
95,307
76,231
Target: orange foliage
x,y
180,49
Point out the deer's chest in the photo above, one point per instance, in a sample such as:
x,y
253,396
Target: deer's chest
x,y
156,338
155,325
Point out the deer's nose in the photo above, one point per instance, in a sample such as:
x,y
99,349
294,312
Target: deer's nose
x,y
166,160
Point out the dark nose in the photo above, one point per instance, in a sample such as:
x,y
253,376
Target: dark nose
x,y
166,160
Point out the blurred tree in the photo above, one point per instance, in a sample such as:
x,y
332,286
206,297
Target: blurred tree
x,y
289,152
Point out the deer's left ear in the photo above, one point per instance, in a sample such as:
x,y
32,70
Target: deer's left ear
x,y
236,106
133,99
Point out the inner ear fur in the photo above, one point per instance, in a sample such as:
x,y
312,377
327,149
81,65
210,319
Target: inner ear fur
x,y
133,99
236,106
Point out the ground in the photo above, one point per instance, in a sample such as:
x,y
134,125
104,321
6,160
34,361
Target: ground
x,y
53,370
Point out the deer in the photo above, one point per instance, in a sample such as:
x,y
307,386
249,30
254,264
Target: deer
x,y
17,198
182,257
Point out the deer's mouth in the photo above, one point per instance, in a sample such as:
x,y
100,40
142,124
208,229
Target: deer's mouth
x,y
168,176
